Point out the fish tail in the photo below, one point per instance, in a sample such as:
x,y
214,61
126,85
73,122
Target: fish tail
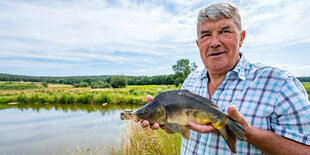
x,y
230,132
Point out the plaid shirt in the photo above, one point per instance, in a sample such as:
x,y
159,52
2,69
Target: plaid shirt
x,y
269,99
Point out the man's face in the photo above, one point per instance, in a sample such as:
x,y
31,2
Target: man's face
x,y
219,43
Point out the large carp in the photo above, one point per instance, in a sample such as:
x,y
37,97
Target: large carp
x,y
176,108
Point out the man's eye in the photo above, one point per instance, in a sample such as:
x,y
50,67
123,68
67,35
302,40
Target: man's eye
x,y
205,35
225,31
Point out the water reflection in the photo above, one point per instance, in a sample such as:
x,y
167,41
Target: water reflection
x,y
57,129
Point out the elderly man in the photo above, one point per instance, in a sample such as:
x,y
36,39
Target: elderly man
x,y
270,103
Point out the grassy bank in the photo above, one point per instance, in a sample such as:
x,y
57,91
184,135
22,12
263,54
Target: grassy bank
x,y
147,141
58,94
137,140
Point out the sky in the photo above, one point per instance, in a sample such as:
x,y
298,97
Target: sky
x,y
132,37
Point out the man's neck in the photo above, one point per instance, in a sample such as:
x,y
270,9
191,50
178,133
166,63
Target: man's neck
x,y
215,80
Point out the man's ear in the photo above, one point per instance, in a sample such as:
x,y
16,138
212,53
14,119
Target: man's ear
x,y
242,36
197,43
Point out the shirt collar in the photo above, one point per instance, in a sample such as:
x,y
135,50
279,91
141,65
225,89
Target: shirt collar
x,y
239,69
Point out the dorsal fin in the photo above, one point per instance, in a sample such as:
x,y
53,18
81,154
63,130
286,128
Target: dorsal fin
x,y
200,98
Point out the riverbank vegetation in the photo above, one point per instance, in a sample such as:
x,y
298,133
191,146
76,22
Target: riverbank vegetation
x,y
138,140
147,141
56,94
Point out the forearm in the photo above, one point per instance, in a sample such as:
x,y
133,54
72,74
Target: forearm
x,y
273,143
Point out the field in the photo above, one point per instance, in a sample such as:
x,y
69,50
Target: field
x,y
35,93
307,87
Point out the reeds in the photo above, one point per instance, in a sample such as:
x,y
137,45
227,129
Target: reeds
x,y
147,141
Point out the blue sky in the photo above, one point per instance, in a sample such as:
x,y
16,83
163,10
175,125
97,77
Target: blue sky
x,y
131,37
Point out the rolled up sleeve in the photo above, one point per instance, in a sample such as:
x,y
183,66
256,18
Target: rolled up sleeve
x,y
291,117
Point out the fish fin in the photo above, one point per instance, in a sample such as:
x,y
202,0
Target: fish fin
x,y
176,128
237,129
203,99
185,132
229,137
231,131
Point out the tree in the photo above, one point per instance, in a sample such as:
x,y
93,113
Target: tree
x,y
182,69
118,82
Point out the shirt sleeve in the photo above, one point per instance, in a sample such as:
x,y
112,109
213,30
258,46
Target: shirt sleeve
x,y
291,118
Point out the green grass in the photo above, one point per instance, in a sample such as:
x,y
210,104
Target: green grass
x,y
132,95
19,85
307,86
147,141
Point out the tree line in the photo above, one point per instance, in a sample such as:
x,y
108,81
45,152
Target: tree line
x,y
181,69
132,80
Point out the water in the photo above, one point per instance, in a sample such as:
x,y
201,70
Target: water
x,y
60,129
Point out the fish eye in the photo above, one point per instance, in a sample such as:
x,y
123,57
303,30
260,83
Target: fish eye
x,y
145,112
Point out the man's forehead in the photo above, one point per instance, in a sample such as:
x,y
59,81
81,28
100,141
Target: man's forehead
x,y
219,24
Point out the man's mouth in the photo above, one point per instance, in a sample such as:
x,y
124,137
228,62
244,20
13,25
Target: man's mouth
x,y
216,54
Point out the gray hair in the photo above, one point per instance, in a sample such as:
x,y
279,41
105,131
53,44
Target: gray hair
x,y
219,11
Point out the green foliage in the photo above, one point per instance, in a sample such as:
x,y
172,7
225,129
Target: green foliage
x,y
19,85
118,82
45,84
304,79
147,141
307,87
132,95
100,84
81,85
182,69
72,80
152,80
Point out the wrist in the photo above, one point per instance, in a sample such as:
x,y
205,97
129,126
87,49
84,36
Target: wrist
x,y
251,133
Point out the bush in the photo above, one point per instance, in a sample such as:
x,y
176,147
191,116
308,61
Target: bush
x,y
82,84
100,84
45,84
118,82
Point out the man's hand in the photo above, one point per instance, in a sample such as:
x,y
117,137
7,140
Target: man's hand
x,y
232,112
154,126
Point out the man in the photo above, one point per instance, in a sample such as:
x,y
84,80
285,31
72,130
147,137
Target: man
x,y
270,103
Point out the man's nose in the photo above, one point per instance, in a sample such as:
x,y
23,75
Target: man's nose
x,y
215,42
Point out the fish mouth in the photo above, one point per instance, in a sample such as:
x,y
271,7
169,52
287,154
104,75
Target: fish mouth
x,y
135,115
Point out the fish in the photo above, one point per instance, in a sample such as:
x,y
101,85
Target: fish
x,y
175,108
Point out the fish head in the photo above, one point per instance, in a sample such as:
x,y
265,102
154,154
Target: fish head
x,y
153,111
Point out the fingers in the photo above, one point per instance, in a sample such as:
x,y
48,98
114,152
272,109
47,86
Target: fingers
x,y
201,128
144,124
155,126
149,98
135,119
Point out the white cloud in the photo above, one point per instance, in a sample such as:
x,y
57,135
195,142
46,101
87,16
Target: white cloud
x,y
277,23
145,32
57,27
293,67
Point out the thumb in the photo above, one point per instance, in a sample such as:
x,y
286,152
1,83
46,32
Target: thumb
x,y
234,114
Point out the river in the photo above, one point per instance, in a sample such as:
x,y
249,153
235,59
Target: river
x,y
60,129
